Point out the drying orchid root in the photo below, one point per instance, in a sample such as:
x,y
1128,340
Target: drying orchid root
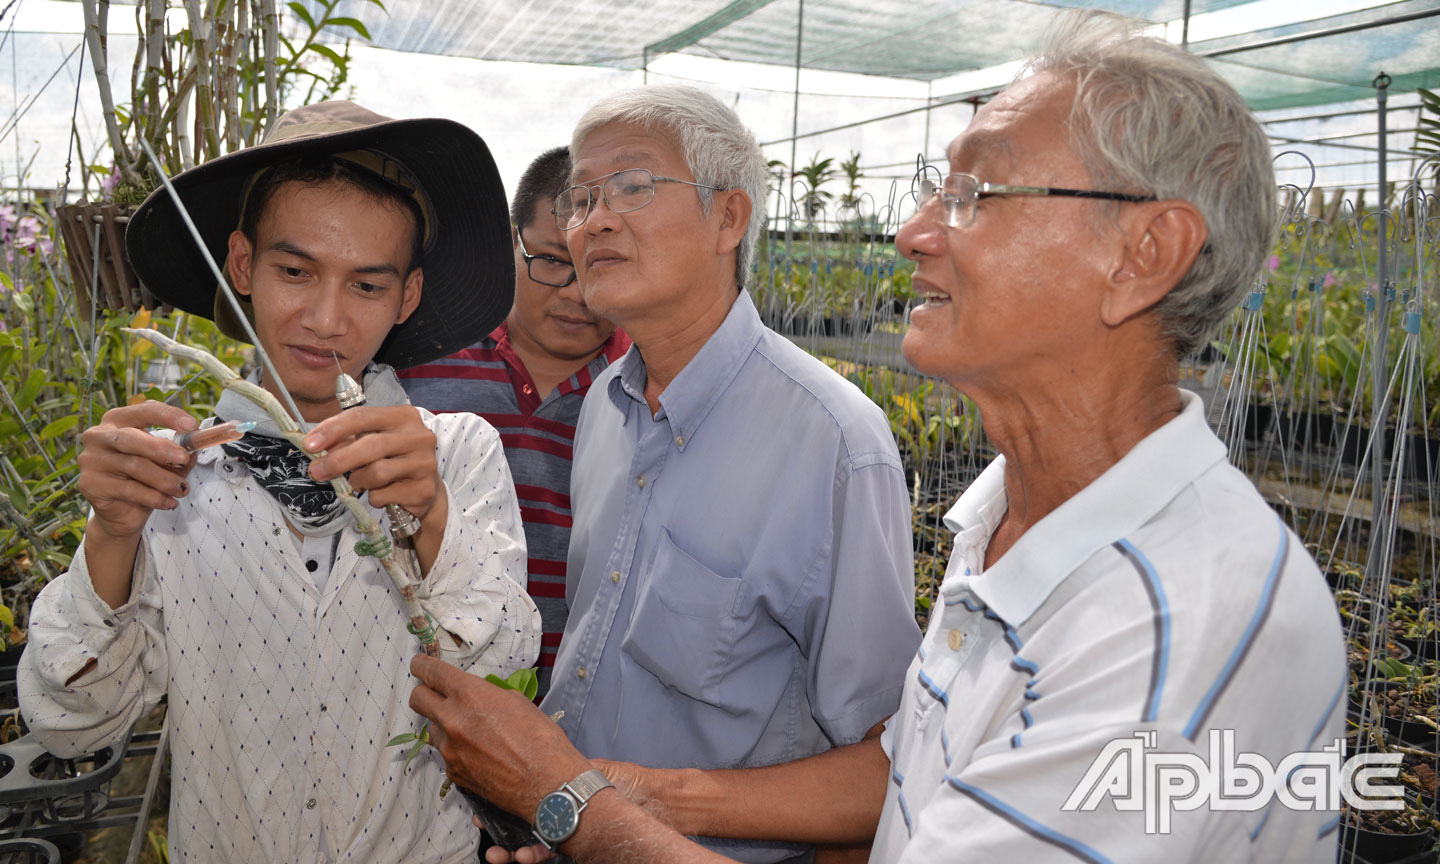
x,y
376,540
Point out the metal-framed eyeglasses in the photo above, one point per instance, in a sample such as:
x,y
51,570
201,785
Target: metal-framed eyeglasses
x,y
545,269
623,192
961,193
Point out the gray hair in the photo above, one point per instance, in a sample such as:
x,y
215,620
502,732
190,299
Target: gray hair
x,y
1150,117
719,150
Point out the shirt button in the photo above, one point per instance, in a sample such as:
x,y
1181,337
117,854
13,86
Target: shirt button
x,y
324,708
310,805
527,389
580,673
679,440
615,577
956,640
276,531
640,481
312,565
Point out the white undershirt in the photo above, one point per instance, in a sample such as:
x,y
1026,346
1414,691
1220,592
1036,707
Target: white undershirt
x,y
318,554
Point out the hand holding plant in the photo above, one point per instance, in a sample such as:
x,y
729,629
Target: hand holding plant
x,y
498,747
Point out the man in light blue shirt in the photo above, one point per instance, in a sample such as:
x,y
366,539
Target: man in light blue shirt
x,y
741,584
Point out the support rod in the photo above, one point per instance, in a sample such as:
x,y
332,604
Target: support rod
x,y
1328,31
1380,363
795,115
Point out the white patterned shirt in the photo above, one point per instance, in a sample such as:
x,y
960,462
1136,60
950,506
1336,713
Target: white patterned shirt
x,y
282,695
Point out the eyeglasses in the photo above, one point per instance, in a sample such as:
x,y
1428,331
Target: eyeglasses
x,y
624,191
546,269
960,193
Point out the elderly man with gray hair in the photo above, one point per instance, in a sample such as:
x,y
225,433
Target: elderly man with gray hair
x,y
740,575
1119,596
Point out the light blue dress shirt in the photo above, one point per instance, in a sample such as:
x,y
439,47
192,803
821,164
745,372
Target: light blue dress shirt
x,y
741,582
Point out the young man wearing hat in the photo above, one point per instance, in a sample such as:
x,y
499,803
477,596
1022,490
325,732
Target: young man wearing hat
x,y
228,578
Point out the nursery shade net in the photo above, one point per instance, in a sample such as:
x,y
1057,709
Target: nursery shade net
x,y
1336,67
902,38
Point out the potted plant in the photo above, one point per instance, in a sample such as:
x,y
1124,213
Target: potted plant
x,y
196,94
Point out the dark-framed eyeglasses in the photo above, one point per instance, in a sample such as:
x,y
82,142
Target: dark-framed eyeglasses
x,y
546,269
960,193
623,192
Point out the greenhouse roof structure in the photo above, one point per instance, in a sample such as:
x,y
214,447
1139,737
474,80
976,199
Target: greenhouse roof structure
x,y
1313,62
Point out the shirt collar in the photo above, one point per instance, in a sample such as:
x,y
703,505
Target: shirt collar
x,y
1117,503
689,398
978,512
379,382
628,385
613,349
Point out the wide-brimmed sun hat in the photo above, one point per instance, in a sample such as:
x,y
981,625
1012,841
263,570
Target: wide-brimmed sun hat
x,y
468,260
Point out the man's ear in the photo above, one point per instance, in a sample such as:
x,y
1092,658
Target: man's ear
x,y
239,261
734,209
1162,240
411,296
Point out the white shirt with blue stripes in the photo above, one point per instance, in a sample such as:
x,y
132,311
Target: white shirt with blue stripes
x,y
1165,597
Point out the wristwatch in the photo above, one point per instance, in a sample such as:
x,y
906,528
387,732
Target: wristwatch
x,y
558,815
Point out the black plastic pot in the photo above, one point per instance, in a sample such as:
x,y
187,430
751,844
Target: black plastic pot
x,y
506,829
29,850
70,789
1375,847
1413,733
1426,649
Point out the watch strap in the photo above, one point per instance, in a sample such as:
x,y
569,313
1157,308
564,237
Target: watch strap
x,y
587,784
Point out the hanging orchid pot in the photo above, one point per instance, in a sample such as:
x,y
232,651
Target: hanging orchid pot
x,y
94,237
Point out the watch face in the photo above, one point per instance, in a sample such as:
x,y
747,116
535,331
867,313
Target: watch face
x,y
556,817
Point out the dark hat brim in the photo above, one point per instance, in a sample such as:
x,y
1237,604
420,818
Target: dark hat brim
x,y
469,262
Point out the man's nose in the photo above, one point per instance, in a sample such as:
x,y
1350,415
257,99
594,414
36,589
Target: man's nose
x,y
324,312
601,218
922,234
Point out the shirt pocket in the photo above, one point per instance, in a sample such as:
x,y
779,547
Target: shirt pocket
x,y
684,626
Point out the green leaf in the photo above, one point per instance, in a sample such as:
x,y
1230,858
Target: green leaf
x,y
59,427
30,390
414,751
353,23
381,5
329,53
5,280
7,618
303,14
1392,668
402,738
528,681
522,680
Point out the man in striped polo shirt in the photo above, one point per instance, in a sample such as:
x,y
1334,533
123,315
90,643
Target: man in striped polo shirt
x,y
1130,648
528,378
